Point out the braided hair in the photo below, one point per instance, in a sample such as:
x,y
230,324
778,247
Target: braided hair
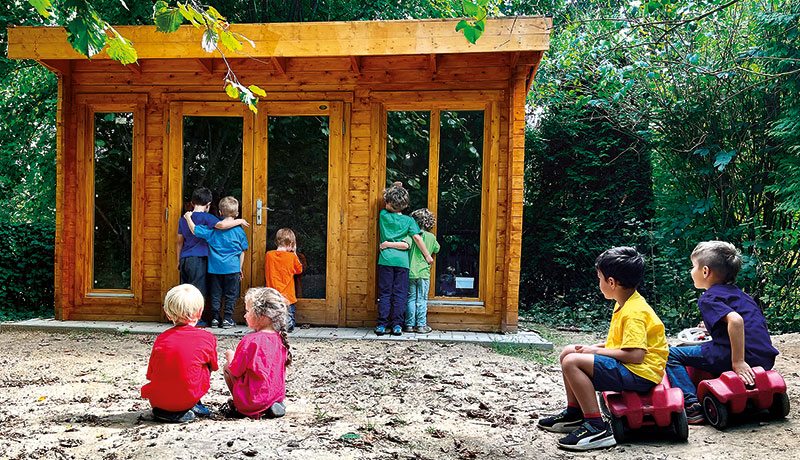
x,y
269,303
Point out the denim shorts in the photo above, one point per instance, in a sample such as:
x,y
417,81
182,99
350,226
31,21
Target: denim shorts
x,y
612,375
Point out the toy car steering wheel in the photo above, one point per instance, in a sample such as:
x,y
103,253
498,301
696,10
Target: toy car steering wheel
x,y
694,336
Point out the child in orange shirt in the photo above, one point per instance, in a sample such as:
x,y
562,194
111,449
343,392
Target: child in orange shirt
x,y
281,265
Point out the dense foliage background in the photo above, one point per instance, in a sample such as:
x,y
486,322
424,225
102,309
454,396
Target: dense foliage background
x,y
656,123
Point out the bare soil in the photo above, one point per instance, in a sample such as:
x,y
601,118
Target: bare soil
x,y
76,395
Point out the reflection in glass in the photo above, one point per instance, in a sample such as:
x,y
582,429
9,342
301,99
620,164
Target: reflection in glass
x,y
212,158
407,152
297,193
113,197
459,210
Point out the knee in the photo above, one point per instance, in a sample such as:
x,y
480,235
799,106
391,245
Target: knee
x,y
569,361
569,349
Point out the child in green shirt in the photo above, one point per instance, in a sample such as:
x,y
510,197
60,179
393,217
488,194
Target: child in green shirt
x,y
419,281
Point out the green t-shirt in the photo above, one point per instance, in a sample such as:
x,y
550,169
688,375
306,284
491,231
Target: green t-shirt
x,y
394,227
418,267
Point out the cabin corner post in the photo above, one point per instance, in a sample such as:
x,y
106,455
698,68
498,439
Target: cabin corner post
x,y
62,300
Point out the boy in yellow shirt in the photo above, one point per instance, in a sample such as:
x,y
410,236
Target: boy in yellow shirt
x,y
632,358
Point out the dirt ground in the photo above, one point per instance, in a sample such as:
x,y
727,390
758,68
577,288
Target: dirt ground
x,y
76,395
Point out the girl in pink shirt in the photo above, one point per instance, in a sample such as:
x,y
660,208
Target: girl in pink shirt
x,y
256,372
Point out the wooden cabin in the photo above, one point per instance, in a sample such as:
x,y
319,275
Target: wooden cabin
x,y
350,107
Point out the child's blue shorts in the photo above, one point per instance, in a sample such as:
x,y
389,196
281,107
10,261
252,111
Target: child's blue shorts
x,y
612,375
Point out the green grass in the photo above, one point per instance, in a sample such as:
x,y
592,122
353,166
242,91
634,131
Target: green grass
x,y
525,352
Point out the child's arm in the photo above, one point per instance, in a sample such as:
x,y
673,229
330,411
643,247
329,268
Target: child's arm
x,y
623,355
225,224
241,265
736,334
421,245
188,217
401,245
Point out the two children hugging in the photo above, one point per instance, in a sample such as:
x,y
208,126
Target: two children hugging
x,y
397,231
635,354
183,358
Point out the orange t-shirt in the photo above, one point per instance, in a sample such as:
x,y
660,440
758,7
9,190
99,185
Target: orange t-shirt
x,y
280,268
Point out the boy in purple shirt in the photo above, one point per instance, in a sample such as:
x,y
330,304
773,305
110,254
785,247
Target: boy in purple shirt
x,y
738,329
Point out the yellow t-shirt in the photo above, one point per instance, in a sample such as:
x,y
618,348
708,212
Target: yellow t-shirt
x,y
636,325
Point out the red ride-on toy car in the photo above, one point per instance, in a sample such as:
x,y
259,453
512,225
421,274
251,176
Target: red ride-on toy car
x,y
662,407
727,394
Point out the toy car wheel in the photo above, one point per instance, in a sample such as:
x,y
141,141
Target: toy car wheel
x,y
619,428
680,426
780,406
716,412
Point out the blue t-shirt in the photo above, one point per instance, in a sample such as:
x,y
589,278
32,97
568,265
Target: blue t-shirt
x,y
192,245
716,303
224,247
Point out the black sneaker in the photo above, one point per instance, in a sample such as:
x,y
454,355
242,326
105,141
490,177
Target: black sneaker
x,y
276,410
695,414
560,423
397,330
408,329
200,410
215,322
379,330
588,437
162,415
228,323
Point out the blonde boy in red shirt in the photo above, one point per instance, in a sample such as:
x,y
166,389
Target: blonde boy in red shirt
x,y
280,266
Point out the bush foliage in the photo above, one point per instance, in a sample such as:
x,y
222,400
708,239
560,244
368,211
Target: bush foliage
x,y
26,270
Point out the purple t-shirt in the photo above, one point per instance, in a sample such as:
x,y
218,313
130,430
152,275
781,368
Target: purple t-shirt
x,y
192,245
715,304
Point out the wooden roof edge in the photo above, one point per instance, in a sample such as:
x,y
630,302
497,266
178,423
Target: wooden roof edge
x,y
309,39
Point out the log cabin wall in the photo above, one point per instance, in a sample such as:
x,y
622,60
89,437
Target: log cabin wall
x,y
363,88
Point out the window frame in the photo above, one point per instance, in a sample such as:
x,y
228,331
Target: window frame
x,y
87,106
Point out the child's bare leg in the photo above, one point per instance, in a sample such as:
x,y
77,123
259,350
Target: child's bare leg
x,y
226,370
568,350
578,369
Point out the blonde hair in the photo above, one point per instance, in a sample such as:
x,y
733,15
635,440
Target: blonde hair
x,y
269,303
396,196
720,257
183,303
285,237
424,218
229,206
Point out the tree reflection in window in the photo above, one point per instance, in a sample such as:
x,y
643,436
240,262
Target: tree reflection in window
x,y
407,153
297,193
459,203
212,158
113,193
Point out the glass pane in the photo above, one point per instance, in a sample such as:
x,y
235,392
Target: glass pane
x,y
212,158
408,139
113,196
297,194
459,213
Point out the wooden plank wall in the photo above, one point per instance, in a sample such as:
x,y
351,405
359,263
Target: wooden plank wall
x,y
193,78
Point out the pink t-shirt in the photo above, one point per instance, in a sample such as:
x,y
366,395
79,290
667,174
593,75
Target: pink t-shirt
x,y
259,372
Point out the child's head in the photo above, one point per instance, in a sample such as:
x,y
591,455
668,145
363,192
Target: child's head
x,y
624,264
229,206
721,258
265,308
424,218
396,197
285,238
202,197
183,304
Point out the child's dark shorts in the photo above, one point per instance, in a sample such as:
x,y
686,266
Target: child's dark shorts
x,y
612,375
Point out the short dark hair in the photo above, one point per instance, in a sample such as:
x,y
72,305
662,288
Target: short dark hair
x,y
719,256
202,196
624,264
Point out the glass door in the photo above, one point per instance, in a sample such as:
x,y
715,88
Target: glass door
x,y
298,166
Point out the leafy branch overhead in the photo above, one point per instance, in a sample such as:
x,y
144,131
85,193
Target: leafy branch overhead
x,y
477,11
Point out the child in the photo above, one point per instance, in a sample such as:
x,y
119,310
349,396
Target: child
x,y
226,257
393,262
182,360
281,265
256,372
633,357
419,281
193,251
739,334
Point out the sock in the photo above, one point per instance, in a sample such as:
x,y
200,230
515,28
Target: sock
x,y
573,410
595,420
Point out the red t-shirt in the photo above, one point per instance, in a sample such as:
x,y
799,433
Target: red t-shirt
x,y
280,268
259,372
180,368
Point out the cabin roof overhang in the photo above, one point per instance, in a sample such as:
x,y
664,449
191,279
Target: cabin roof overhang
x,y
310,39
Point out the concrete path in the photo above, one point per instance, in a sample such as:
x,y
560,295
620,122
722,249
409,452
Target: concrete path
x,y
527,338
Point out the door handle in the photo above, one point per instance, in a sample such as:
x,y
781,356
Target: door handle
x,y
260,207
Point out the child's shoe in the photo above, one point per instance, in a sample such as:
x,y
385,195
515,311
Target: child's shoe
x,y
695,414
408,329
215,322
397,330
379,330
162,415
200,410
227,323
588,437
565,422
201,323
276,410
422,330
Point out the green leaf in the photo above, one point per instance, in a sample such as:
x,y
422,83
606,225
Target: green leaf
x,y
723,158
472,33
87,34
121,50
42,7
258,91
231,91
165,18
229,41
471,9
215,14
210,39
461,25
